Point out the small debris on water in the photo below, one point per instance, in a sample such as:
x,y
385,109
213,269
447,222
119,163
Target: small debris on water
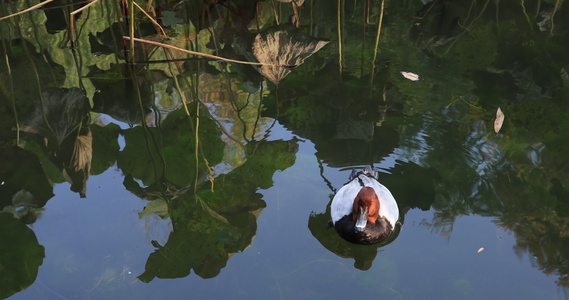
x,y
499,120
410,76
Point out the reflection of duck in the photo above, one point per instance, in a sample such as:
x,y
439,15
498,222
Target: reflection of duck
x,y
364,211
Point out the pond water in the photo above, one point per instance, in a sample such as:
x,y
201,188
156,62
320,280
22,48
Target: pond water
x,y
189,176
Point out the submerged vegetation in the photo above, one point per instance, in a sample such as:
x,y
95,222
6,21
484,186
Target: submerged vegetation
x,y
182,98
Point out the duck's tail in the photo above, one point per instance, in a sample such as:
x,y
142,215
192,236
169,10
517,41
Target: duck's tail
x,y
368,171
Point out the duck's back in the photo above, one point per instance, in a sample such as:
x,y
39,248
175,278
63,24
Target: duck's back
x,y
343,201
387,204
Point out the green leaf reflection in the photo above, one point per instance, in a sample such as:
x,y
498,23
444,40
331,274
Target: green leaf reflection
x,y
208,228
21,256
21,174
169,151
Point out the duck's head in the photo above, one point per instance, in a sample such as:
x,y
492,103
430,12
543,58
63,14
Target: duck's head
x,y
366,208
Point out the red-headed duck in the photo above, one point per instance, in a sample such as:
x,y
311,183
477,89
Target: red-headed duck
x,y
364,211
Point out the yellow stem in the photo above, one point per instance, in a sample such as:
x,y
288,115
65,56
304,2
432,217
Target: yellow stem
x,y
73,13
26,10
377,39
151,19
557,4
340,35
203,54
131,29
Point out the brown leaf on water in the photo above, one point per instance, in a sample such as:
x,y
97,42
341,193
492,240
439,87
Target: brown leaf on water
x,y
499,120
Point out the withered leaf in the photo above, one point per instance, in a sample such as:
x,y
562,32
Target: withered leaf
x,y
499,120
282,50
410,76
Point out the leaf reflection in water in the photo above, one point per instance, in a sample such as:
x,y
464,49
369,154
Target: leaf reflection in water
x,y
280,46
60,117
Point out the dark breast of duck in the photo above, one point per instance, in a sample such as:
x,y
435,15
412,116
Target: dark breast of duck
x,y
373,233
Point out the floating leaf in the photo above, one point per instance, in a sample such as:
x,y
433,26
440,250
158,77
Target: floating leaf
x,y
499,120
480,250
410,76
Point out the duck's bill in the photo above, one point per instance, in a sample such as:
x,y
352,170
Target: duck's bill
x,y
361,222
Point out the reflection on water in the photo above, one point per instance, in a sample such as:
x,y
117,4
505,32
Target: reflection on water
x,y
22,256
61,119
363,255
211,225
208,144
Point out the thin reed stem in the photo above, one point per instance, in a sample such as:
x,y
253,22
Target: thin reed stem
x,y
206,55
340,35
377,39
72,17
151,19
27,10
131,29
555,9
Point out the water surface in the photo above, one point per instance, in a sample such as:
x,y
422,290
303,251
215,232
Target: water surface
x,y
181,176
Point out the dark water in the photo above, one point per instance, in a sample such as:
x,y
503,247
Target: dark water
x,y
113,188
